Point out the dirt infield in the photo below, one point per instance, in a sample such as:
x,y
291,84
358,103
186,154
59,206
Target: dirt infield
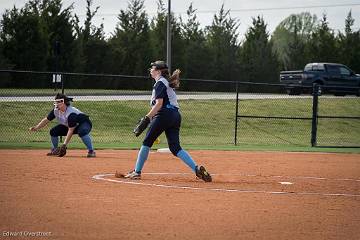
x,y
254,195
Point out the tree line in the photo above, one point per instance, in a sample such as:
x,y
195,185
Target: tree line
x,y
46,36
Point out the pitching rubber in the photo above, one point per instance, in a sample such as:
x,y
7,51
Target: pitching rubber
x,y
164,150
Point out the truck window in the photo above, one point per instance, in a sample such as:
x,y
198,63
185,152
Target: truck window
x,y
344,71
318,67
333,69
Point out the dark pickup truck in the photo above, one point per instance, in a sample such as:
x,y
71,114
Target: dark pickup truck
x,y
331,77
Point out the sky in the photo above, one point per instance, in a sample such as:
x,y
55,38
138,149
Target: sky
x,y
273,11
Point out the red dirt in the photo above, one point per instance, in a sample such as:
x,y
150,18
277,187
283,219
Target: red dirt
x,y
56,198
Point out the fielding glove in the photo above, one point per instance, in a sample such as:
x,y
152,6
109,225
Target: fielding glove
x,y
141,125
62,150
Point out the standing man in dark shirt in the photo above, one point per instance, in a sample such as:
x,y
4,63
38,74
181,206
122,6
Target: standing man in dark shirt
x,y
71,121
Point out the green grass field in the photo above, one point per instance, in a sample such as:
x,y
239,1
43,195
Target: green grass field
x,y
206,124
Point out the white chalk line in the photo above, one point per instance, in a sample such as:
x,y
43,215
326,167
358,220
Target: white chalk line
x,y
269,176
136,182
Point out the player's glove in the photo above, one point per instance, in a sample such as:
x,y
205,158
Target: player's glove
x,y
141,125
62,150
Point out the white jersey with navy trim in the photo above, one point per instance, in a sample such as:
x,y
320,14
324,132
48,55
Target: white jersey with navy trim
x,y
171,95
63,117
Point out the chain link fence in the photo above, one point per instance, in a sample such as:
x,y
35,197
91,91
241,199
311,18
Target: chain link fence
x,y
322,120
338,120
211,116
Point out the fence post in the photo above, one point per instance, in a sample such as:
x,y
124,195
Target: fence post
x,y
236,112
62,84
314,114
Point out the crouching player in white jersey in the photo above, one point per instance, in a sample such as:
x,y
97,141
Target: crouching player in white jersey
x,y
165,117
71,121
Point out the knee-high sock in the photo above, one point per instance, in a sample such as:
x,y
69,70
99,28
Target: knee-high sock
x,y
87,141
54,142
142,156
185,156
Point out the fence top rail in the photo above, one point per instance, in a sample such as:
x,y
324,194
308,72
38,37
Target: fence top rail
x,y
182,79
73,74
137,76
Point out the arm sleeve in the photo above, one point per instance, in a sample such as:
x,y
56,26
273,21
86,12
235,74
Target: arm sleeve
x,y
160,90
72,120
51,115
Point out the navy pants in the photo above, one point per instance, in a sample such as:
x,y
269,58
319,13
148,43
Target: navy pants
x,y
168,120
61,130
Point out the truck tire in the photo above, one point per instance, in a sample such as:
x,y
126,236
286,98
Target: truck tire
x,y
293,91
320,89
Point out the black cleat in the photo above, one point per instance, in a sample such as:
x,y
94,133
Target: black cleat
x,y
203,174
54,152
91,154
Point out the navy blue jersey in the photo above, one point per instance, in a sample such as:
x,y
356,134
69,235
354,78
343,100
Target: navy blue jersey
x,y
163,90
70,118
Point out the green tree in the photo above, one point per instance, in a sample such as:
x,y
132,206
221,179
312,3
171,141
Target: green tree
x,y
95,51
177,44
130,42
257,59
158,32
222,42
158,36
59,23
297,46
24,37
290,38
349,45
29,35
195,52
4,62
322,46
90,31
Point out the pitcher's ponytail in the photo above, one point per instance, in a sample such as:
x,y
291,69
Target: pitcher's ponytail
x,y
174,80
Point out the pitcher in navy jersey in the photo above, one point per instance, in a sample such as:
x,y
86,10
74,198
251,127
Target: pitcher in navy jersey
x,y
165,117
71,121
